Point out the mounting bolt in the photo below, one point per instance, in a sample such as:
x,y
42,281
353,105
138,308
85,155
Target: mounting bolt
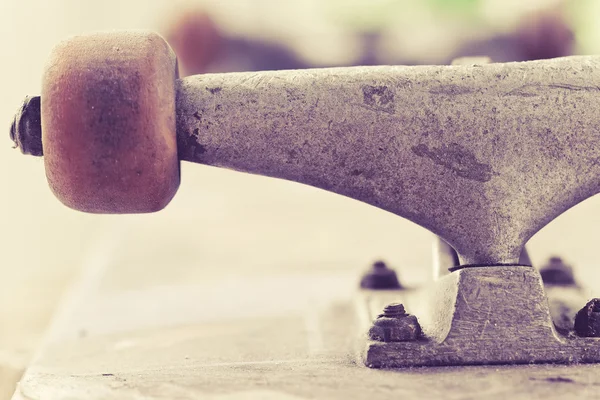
x,y
556,272
395,325
380,276
587,320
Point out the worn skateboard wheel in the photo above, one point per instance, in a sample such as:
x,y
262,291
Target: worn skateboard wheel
x,y
108,122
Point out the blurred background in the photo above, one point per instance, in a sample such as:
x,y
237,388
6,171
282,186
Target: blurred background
x,y
223,218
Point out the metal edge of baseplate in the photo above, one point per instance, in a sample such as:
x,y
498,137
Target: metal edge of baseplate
x,y
476,316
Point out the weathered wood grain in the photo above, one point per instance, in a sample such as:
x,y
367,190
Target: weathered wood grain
x,y
165,329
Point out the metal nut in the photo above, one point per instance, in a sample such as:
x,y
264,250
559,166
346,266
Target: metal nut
x,y
587,320
381,277
395,325
26,128
557,272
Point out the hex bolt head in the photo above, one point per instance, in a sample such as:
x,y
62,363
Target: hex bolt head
x,y
395,325
587,320
380,277
557,272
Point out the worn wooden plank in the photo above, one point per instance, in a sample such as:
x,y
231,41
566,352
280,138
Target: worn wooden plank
x,y
176,320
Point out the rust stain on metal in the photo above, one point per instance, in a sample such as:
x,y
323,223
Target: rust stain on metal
x,y
189,146
215,90
457,159
380,98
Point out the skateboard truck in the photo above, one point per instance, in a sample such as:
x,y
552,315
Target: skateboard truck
x,y
482,155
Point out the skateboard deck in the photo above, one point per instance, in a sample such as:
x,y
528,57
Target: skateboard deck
x,y
225,299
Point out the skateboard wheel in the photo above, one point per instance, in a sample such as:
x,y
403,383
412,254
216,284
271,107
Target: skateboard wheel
x,y
108,122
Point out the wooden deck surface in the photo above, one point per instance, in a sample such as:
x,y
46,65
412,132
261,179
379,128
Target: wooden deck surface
x,y
181,305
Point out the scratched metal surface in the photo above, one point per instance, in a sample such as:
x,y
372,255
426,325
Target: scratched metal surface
x,y
144,323
484,155
484,316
